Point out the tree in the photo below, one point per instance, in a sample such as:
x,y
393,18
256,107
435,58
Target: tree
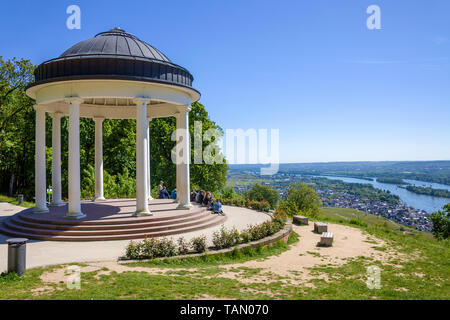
x,y
441,222
16,128
259,192
305,199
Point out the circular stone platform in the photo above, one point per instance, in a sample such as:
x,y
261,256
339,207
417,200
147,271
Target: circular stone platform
x,y
109,220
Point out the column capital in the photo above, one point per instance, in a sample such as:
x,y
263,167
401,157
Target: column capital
x,y
39,107
182,108
99,119
73,100
56,115
141,100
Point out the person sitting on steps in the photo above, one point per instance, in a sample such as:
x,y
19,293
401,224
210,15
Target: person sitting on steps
x,y
193,195
201,196
207,201
164,194
217,207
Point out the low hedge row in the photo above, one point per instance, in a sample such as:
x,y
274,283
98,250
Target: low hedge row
x,y
152,248
228,238
157,248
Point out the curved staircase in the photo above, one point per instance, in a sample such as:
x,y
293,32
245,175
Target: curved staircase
x,y
118,226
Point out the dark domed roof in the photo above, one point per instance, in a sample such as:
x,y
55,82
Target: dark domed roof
x,y
113,54
115,42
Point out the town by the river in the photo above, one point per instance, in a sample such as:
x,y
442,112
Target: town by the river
x,y
409,208
423,202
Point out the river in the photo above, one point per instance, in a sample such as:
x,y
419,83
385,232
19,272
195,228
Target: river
x,y
417,201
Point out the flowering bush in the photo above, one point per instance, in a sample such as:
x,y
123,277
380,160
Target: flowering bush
x,y
245,236
151,248
225,239
199,244
183,246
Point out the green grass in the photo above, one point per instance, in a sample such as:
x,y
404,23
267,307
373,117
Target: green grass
x,y
418,268
355,217
12,200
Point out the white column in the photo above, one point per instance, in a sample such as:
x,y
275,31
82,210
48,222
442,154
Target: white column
x,y
183,149
40,174
56,159
141,157
177,167
74,211
99,159
148,170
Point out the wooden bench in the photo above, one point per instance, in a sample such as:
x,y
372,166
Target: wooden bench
x,y
326,239
320,227
301,219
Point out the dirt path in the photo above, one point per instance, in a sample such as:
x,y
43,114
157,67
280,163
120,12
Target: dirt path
x,y
292,266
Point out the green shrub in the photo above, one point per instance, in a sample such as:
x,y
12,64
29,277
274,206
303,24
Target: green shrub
x,y
441,223
265,229
121,185
228,193
166,248
133,250
253,204
183,246
305,199
287,208
227,201
226,238
151,248
245,236
199,244
264,206
260,193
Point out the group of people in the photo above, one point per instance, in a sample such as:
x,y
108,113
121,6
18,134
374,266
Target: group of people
x,y
164,194
206,199
199,196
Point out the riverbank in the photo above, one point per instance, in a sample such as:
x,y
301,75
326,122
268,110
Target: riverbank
x,y
421,202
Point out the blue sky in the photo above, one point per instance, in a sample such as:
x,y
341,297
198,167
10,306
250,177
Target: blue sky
x,y
336,90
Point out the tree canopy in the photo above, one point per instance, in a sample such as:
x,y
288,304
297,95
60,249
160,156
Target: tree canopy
x,y
441,222
302,200
259,192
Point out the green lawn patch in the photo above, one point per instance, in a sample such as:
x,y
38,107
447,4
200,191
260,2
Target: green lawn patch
x,y
14,201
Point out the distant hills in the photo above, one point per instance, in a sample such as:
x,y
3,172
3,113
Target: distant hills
x,y
431,171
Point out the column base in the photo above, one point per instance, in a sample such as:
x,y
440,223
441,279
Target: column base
x,y
56,204
151,198
40,210
142,213
75,216
99,199
185,206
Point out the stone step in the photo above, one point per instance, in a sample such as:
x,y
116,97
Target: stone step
x,y
9,223
138,223
140,234
36,218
